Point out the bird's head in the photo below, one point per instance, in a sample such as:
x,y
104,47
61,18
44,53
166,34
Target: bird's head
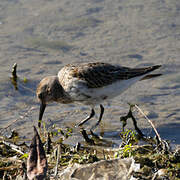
x,y
48,90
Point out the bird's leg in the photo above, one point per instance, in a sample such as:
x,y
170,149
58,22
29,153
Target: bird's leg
x,y
88,118
100,117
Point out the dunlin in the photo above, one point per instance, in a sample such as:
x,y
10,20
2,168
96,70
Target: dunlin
x,y
89,84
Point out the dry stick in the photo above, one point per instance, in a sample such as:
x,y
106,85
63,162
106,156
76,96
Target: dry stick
x,y
13,146
57,160
14,73
157,134
14,76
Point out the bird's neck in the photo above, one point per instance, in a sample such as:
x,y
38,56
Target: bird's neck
x,y
59,94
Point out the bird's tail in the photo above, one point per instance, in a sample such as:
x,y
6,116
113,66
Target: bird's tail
x,y
149,76
149,69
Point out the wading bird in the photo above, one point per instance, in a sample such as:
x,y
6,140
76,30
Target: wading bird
x,y
89,84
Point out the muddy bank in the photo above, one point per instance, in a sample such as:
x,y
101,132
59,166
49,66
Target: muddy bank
x,y
42,36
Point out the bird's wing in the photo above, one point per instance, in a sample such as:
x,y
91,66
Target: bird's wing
x,y
99,74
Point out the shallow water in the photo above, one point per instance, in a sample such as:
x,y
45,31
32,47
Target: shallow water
x,y
42,36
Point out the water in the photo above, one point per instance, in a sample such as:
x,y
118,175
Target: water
x,y
42,36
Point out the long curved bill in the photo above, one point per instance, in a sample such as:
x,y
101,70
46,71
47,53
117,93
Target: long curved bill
x,y
41,112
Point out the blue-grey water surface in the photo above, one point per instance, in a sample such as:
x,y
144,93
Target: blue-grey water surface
x,y
42,36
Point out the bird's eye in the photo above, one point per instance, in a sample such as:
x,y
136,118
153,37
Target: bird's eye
x,y
40,96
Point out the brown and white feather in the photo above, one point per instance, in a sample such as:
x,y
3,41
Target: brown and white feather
x,y
98,74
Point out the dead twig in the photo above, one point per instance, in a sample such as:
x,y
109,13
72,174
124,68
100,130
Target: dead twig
x,y
57,160
13,146
14,71
14,76
49,142
156,132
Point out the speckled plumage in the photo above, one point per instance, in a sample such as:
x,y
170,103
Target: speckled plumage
x,y
89,83
98,74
